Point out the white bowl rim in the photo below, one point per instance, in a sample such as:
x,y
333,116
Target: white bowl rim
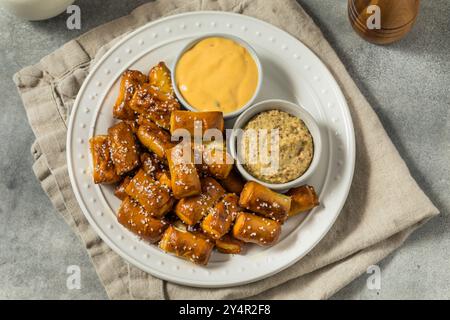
x,y
240,41
293,109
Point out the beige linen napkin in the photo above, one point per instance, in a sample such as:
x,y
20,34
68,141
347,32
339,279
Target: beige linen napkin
x,y
384,206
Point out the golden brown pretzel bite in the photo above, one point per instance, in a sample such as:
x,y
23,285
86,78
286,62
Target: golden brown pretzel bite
x,y
218,221
187,120
231,203
185,179
178,224
233,182
249,227
215,160
119,190
124,149
133,125
229,245
212,188
186,245
103,167
257,198
164,178
152,195
134,217
130,82
160,78
303,199
192,209
145,101
155,139
152,165
142,120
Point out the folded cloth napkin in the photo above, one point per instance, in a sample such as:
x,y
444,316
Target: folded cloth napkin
x,y
384,206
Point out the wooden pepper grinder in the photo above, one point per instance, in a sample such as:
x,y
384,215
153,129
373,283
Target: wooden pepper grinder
x,y
383,21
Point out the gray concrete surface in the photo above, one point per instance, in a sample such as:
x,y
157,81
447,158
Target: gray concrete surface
x,y
406,83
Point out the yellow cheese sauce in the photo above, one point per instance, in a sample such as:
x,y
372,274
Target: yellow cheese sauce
x,y
217,74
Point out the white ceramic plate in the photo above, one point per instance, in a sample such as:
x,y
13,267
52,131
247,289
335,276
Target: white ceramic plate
x,y
291,72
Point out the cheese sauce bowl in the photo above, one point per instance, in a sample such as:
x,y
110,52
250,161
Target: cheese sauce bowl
x,y
292,109
248,81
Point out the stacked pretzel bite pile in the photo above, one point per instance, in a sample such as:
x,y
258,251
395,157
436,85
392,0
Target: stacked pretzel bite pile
x,y
188,207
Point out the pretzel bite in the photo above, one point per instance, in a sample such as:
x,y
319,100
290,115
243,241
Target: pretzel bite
x,y
151,194
160,78
189,121
133,125
212,188
187,245
218,221
124,149
257,198
142,120
216,160
152,164
229,245
164,178
119,190
134,217
192,209
303,199
130,82
103,167
249,227
146,101
233,182
178,224
156,140
185,179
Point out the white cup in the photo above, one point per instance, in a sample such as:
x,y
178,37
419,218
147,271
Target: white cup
x,y
293,109
36,9
244,44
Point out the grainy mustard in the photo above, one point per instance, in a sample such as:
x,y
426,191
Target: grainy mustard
x,y
276,147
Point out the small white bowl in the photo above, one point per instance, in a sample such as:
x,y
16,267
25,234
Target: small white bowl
x,y
35,10
294,110
238,40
